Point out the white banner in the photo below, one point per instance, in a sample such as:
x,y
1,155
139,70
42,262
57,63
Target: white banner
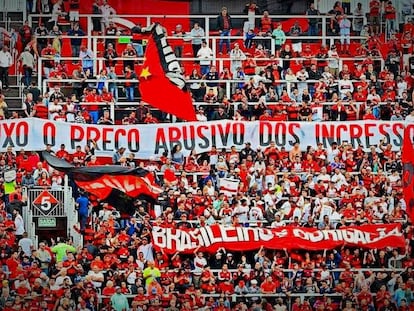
x,y
146,140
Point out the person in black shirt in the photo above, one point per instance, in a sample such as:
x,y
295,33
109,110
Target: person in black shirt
x,y
41,32
75,42
111,31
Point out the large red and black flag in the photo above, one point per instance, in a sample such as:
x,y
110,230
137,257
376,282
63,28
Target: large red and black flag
x,y
101,180
408,172
161,81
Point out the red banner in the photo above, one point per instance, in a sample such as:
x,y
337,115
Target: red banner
x,y
211,238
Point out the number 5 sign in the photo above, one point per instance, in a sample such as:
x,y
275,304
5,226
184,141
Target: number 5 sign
x,y
45,202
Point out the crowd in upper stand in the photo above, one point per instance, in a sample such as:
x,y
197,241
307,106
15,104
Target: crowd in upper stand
x,y
302,80
117,267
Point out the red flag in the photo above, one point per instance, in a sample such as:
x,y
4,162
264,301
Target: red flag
x,y
132,185
100,180
161,82
408,173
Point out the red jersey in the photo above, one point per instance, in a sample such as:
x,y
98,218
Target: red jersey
x,y
374,7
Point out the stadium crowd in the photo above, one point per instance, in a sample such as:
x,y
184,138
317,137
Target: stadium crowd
x,y
117,267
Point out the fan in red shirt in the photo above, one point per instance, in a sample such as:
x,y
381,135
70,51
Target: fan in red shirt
x,y
93,99
268,286
310,164
108,290
79,154
360,95
62,153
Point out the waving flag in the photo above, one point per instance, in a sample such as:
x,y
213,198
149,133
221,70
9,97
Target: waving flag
x,y
100,180
408,173
228,186
161,82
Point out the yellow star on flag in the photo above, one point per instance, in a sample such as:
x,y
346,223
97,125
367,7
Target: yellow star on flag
x,y
145,73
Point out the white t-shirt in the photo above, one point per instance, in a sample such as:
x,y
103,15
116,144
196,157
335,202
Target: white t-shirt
x,y
26,244
19,223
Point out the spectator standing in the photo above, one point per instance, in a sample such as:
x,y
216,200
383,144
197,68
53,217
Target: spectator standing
x,y
237,57
312,22
112,84
78,86
18,223
130,85
111,31
251,9
6,60
41,40
177,43
205,55
358,20
26,244
374,16
76,42
27,62
82,205
26,33
333,61
280,38
129,54
40,110
107,12
119,301
296,31
345,32
74,12
224,26
346,6
390,16
58,10
197,35
265,29
110,56
86,56
62,248
96,20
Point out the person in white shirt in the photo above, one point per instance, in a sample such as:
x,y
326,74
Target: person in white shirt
x,y
57,11
237,57
324,176
199,263
28,63
205,55
241,211
345,85
26,244
54,108
196,34
333,61
107,12
147,249
338,178
277,223
6,60
96,276
19,224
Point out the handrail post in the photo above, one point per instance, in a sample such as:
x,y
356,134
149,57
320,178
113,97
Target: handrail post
x,y
39,72
323,30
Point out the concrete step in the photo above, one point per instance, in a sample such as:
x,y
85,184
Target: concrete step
x,y
14,103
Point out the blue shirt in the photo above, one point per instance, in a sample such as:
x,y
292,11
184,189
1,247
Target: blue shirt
x,y
83,204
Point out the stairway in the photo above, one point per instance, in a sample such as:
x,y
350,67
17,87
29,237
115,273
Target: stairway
x,y
13,98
